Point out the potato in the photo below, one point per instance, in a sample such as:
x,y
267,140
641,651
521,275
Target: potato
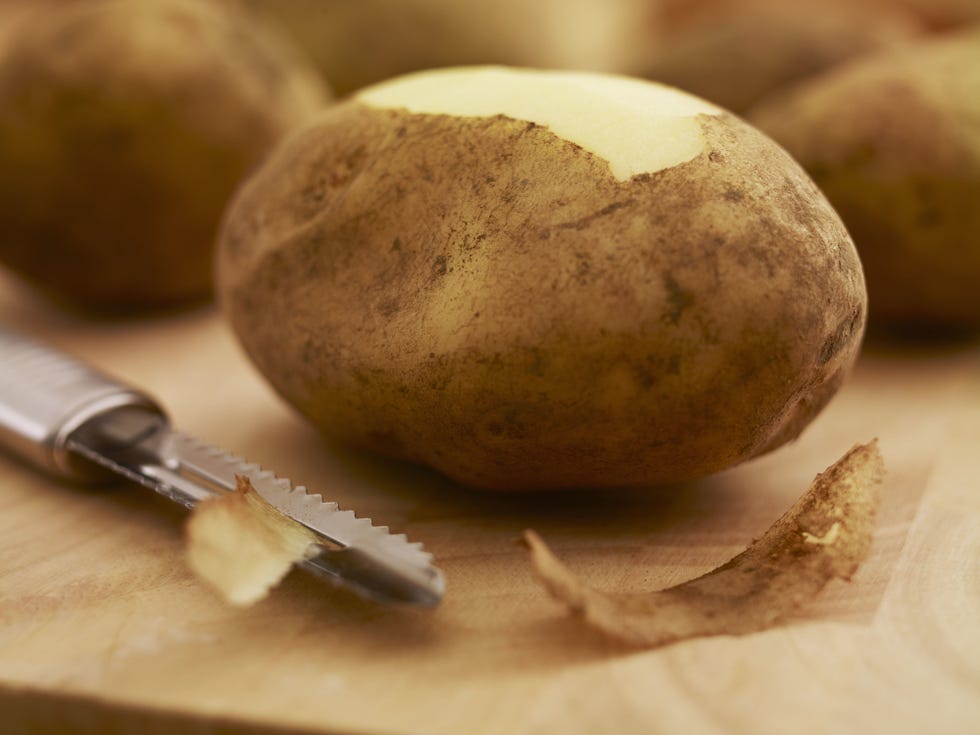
x,y
359,43
736,52
124,128
894,142
542,279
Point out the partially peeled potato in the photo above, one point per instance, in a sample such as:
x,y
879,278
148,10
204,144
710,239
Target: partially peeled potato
x,y
537,280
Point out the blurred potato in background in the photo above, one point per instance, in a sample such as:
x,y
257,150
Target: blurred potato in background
x,y
362,42
894,142
124,127
732,52
736,52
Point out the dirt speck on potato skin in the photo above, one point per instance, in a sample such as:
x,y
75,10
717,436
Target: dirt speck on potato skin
x,y
663,330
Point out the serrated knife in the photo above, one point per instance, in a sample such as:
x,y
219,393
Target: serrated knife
x,y
75,422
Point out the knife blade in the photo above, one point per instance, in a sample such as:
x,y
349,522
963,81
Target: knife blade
x,y
79,424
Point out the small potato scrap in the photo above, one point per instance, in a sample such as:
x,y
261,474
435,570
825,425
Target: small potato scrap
x,y
124,128
241,546
825,535
893,142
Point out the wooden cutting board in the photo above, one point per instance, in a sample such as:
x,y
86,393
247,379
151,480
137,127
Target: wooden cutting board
x,y
103,630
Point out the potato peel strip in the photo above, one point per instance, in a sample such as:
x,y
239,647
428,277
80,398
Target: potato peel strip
x,y
241,546
825,535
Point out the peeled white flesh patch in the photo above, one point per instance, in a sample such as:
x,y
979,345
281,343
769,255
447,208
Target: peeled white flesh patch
x,y
635,126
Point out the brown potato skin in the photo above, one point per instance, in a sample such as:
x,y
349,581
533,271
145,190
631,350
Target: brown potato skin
x,y
124,129
482,296
895,145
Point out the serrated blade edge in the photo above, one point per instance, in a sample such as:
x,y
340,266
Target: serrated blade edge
x,y
370,558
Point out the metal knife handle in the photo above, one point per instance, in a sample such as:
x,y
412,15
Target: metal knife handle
x,y
46,396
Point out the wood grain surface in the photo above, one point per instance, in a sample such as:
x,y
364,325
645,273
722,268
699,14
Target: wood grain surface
x,y
103,630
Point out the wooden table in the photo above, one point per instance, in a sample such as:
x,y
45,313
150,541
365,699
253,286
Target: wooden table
x,y
103,630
